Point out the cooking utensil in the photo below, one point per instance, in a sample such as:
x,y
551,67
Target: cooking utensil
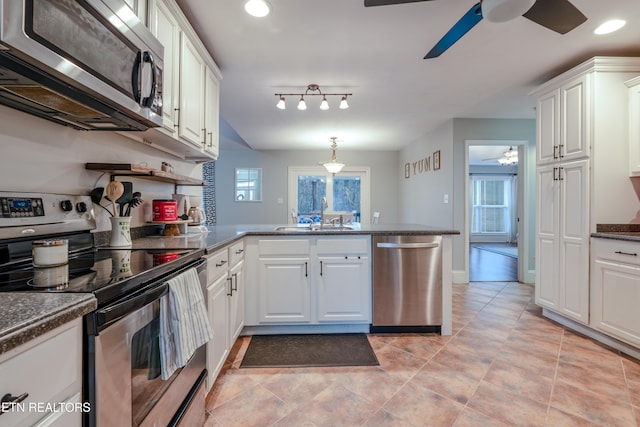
x,y
113,191
96,197
126,197
136,201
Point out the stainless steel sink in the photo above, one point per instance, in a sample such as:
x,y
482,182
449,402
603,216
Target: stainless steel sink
x,y
307,228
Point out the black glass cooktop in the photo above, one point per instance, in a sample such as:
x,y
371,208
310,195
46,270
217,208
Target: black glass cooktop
x,y
107,273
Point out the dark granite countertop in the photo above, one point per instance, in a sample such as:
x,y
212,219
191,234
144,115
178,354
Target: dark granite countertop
x,y
27,315
219,236
631,236
628,232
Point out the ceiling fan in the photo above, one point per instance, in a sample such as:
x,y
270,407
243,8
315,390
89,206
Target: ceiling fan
x,y
509,157
557,15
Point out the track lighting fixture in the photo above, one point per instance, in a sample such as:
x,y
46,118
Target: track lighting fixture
x,y
313,90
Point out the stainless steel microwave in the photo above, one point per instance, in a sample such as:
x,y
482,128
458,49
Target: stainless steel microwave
x,y
88,64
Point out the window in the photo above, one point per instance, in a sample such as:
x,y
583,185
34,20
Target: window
x,y
248,185
491,205
348,191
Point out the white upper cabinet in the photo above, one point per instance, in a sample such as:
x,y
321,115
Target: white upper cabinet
x,y
191,111
166,29
211,113
562,122
634,126
190,89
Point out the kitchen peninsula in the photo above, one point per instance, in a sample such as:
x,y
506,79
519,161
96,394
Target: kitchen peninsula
x,y
333,242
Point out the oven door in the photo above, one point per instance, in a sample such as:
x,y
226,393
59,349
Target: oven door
x,y
128,384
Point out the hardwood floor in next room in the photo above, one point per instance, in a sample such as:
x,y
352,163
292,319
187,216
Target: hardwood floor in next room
x,y
504,365
487,266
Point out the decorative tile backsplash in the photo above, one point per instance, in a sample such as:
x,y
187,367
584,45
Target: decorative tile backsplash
x,y
209,191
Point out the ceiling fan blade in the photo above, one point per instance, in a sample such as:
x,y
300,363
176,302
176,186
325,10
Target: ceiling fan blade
x,y
467,22
368,3
557,15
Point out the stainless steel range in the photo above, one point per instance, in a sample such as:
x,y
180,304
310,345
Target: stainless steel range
x,y
122,382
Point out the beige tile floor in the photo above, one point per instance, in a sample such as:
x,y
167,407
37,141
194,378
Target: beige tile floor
x,y
504,365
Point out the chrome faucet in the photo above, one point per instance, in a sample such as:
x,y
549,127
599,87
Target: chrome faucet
x,y
323,205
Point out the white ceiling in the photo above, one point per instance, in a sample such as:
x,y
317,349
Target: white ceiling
x,y
376,54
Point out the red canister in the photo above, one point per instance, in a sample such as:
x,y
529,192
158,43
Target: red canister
x,y
165,210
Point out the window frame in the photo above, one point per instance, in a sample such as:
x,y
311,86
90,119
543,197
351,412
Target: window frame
x,y
363,172
260,180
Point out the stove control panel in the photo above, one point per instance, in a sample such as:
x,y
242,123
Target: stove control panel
x,y
33,214
16,207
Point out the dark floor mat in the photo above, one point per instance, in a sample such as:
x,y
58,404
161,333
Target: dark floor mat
x,y
293,351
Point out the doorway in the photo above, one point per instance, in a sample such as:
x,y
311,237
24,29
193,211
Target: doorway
x,y
494,206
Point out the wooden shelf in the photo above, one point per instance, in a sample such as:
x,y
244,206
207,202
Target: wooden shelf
x,y
127,169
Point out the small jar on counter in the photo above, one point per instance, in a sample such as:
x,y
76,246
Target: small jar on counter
x,y
50,253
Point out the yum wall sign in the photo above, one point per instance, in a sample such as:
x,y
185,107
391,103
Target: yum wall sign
x,y
425,164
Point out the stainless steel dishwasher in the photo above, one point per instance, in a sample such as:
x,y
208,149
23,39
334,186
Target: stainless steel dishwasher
x,y
407,283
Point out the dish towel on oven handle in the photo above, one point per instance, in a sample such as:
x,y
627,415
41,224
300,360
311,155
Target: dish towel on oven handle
x,y
184,324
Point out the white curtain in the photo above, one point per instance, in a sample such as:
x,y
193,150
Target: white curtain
x,y
513,210
510,204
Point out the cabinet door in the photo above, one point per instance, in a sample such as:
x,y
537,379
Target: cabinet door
x,y
575,116
634,128
218,309
548,127
344,289
548,202
211,113
191,114
284,289
616,296
574,239
236,301
164,26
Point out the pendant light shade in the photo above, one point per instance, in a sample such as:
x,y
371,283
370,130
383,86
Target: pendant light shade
x,y
324,105
333,166
281,104
301,104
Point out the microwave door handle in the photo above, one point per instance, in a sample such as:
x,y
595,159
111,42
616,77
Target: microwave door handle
x,y
148,101
135,77
114,312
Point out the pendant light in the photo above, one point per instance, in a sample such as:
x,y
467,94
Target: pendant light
x,y
333,166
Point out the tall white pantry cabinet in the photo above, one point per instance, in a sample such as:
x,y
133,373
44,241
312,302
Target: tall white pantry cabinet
x,y
582,160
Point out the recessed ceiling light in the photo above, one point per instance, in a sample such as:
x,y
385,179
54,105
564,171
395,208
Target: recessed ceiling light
x,y
610,26
257,8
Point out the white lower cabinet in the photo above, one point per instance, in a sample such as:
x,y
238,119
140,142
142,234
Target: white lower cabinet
x,y
314,280
49,370
615,289
225,304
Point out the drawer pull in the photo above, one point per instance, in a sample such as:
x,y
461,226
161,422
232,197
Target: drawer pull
x,y
8,400
626,253
223,262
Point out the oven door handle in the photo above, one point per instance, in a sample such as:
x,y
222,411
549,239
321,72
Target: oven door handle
x,y
116,311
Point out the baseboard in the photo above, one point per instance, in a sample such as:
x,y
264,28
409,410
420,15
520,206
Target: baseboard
x,y
460,276
305,329
592,333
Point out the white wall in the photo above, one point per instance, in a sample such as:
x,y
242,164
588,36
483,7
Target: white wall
x,y
274,164
40,156
422,196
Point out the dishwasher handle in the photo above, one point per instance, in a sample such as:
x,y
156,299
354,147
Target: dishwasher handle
x,y
407,245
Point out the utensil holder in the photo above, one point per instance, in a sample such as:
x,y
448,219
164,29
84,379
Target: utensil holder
x,y
120,231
